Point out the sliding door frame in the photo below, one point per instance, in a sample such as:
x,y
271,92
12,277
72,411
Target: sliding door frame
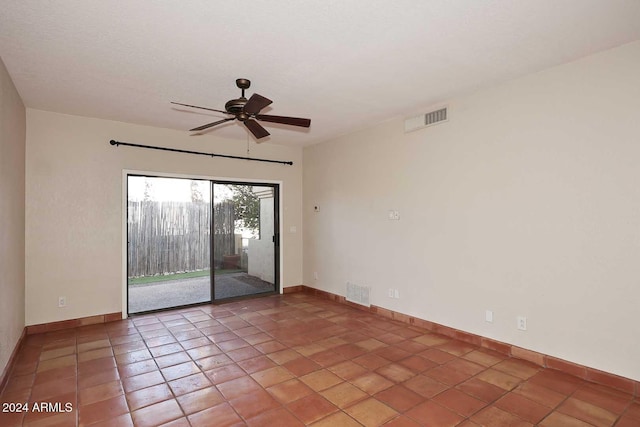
x,y
278,247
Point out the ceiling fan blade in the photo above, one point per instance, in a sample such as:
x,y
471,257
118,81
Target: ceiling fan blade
x,y
256,129
202,108
256,103
210,125
294,121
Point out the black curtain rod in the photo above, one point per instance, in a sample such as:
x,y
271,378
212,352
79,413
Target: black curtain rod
x,y
176,150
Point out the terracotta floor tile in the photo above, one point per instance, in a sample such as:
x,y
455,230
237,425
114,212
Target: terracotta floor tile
x,y
137,368
395,372
222,415
481,390
457,348
172,359
275,351
204,351
399,398
518,368
283,356
447,375
96,365
200,400
425,386
431,413
180,422
418,364
132,357
343,394
58,362
392,353
495,417
371,412
243,354
57,352
237,387
524,408
327,358
587,412
557,419
119,421
100,392
148,396
188,384
557,381
157,414
337,419
194,342
612,401
225,373
103,410
272,376
54,375
129,347
311,408
321,380
438,356
277,417
97,378
347,370
142,381
431,340
181,370
301,366
484,357
161,340
256,364
50,389
371,361
459,402
253,403
53,420
500,379
95,354
403,421
540,394
290,391
213,362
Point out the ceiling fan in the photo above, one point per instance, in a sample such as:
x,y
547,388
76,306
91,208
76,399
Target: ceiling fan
x,y
248,112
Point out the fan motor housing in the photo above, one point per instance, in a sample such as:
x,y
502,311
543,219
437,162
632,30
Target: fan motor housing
x,y
235,106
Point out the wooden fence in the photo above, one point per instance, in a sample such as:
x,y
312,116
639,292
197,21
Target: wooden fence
x,y
172,237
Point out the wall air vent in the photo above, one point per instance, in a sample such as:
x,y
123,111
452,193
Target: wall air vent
x,y
358,294
424,120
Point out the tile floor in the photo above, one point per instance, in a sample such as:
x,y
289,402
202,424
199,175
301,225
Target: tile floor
x,y
289,360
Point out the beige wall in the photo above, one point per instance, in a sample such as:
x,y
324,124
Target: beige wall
x,y
12,177
527,202
74,216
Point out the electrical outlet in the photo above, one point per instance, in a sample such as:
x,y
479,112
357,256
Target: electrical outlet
x,y
522,323
396,293
316,208
488,316
390,293
62,302
315,275
394,215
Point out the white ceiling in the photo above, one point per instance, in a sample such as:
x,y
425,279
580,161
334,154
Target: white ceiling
x,y
344,64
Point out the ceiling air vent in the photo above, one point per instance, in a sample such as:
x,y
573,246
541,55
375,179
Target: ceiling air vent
x,y
424,120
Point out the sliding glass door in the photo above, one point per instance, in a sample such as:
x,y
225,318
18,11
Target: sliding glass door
x,y
198,241
244,239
